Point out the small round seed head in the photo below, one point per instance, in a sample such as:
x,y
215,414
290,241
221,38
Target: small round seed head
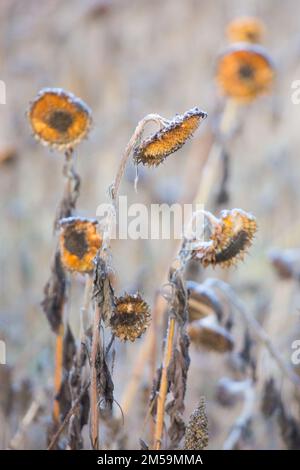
x,y
153,150
244,72
206,333
79,242
59,119
130,318
246,29
229,239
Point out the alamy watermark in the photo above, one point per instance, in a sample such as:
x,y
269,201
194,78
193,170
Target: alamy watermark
x,y
295,357
2,353
296,93
2,92
151,222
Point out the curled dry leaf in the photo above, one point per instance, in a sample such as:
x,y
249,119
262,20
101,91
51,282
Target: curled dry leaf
x,y
55,294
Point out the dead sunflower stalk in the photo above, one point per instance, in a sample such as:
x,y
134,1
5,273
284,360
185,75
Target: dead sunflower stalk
x,y
129,318
60,120
173,374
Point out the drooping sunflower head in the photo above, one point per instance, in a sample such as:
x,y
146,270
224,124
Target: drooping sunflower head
x,y
79,243
130,318
59,119
201,302
153,150
244,72
246,29
208,334
229,239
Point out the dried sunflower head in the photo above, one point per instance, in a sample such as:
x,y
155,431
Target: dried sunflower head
x,y
202,302
58,118
153,150
246,29
79,243
207,333
228,240
130,318
244,72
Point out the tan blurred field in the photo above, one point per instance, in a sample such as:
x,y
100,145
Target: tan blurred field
x,y
125,59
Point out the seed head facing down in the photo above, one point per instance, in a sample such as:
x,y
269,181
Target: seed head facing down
x,y
208,334
229,239
130,318
153,150
246,29
58,118
201,302
79,243
244,72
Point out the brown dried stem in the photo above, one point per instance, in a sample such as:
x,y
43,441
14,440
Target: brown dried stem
x,y
129,148
58,371
66,206
94,394
163,389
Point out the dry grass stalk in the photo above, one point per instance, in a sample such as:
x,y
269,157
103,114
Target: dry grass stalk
x,y
58,372
163,389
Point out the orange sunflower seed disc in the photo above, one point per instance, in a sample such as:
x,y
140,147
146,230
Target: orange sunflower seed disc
x,y
244,72
246,29
153,150
58,118
79,243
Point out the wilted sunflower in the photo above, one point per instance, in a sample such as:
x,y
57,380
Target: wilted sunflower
x,y
210,335
246,29
244,72
153,150
130,318
58,118
202,302
79,243
229,239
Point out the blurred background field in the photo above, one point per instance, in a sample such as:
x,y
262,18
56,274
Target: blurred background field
x,y
125,59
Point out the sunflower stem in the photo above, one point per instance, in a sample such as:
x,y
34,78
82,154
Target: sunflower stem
x,y
130,146
94,394
163,389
